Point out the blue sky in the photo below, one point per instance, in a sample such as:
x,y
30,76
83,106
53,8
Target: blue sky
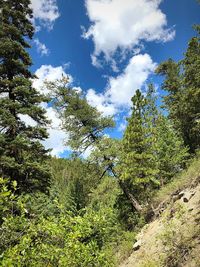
x,y
108,47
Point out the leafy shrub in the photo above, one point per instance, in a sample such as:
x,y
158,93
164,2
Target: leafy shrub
x,y
54,240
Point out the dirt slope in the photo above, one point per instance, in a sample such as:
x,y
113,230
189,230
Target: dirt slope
x,y
173,239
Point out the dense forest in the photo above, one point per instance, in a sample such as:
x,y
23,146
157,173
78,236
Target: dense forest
x,y
85,211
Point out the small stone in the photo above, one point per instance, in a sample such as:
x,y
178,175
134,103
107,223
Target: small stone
x,y
187,196
137,245
181,194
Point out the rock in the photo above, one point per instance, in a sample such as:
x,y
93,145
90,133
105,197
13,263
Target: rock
x,y
187,196
175,194
181,194
176,197
137,245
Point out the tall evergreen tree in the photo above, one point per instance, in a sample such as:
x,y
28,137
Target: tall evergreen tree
x,y
182,82
168,146
191,81
138,162
171,153
22,156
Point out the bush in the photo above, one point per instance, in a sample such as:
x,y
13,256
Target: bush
x,y
28,239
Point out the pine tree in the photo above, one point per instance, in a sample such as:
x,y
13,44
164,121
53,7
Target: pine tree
x,y
191,80
182,82
22,156
138,166
151,107
171,153
168,145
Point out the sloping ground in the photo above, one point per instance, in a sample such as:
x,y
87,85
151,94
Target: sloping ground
x,y
173,238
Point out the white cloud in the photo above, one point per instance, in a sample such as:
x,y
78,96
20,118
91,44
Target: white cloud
x,y
78,89
120,89
122,25
48,73
41,48
100,102
45,12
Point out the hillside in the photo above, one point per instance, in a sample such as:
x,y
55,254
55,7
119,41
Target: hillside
x,y
173,237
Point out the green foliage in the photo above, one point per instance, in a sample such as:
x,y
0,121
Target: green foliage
x,y
170,150
168,146
125,247
179,182
73,181
86,126
63,241
130,219
106,155
7,197
22,156
31,237
105,194
182,82
138,161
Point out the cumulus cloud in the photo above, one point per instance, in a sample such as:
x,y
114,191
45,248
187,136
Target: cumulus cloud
x,y
119,90
41,48
123,25
100,101
45,12
122,88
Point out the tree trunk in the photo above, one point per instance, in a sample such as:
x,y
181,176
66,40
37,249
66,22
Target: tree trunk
x,y
135,204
